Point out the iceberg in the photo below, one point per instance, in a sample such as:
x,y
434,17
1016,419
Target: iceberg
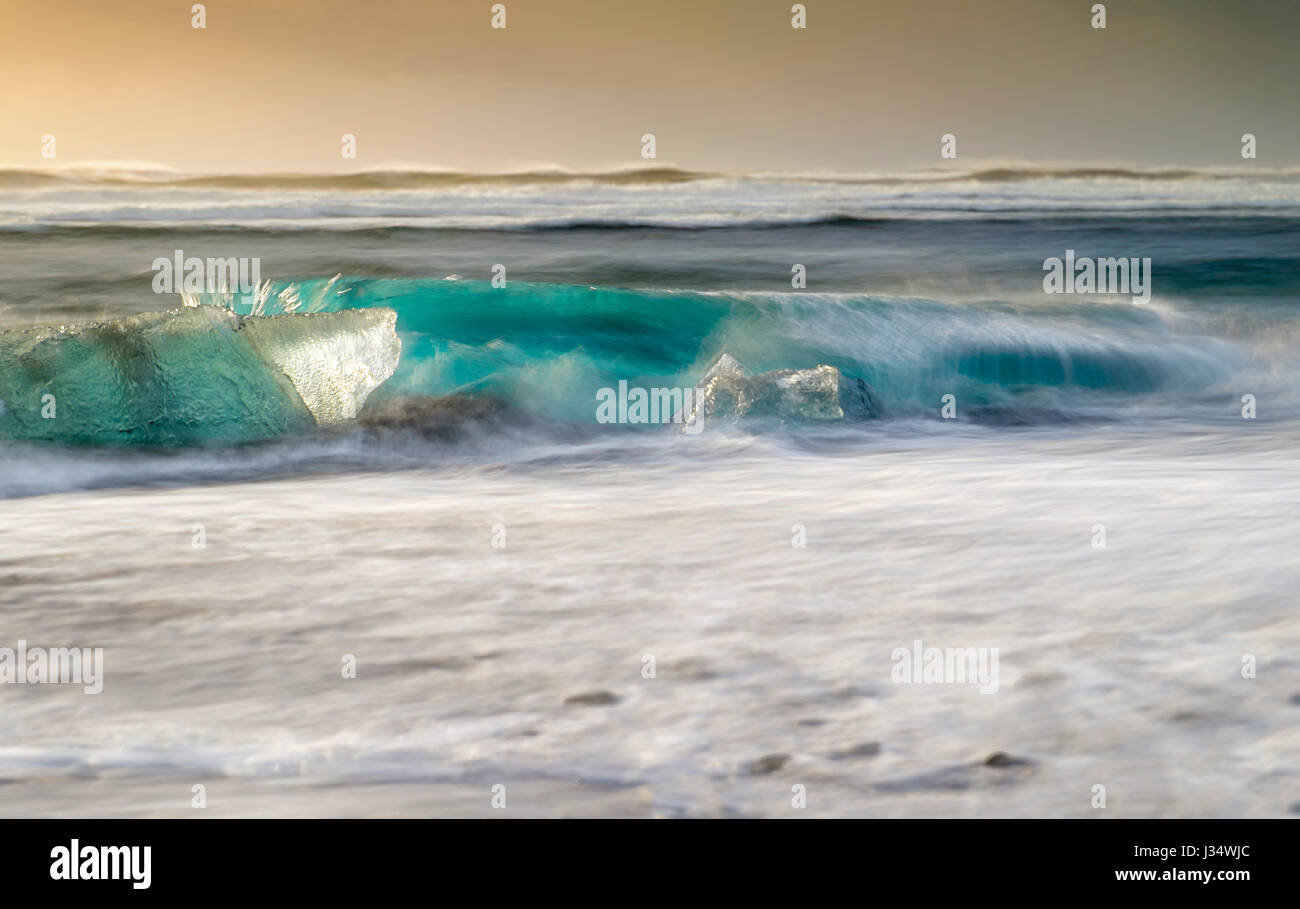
x,y
198,375
728,391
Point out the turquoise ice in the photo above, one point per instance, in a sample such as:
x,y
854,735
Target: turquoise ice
x,y
198,375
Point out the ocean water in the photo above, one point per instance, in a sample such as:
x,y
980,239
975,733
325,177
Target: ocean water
x,y
504,569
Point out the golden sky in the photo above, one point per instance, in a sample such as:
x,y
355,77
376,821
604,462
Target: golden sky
x,y
272,85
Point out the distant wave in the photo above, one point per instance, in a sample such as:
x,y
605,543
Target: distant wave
x,y
414,179
357,180
1023,174
272,222
108,198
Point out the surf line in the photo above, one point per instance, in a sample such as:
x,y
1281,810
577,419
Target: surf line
x,y
1106,275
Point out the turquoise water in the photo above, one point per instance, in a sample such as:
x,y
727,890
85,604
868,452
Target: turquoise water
x,y
544,351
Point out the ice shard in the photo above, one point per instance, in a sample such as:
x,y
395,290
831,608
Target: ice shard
x,y
198,375
729,392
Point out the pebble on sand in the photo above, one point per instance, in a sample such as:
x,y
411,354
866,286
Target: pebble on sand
x,y
1002,759
768,763
592,699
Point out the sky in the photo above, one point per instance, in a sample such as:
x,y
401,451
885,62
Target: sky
x,y
724,85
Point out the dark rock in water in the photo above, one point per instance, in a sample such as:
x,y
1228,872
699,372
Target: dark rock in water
x,y
439,418
1295,698
691,669
768,763
866,749
730,392
600,698
1035,679
1002,759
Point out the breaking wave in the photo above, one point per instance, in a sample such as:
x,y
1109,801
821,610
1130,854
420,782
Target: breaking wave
x,y
547,348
